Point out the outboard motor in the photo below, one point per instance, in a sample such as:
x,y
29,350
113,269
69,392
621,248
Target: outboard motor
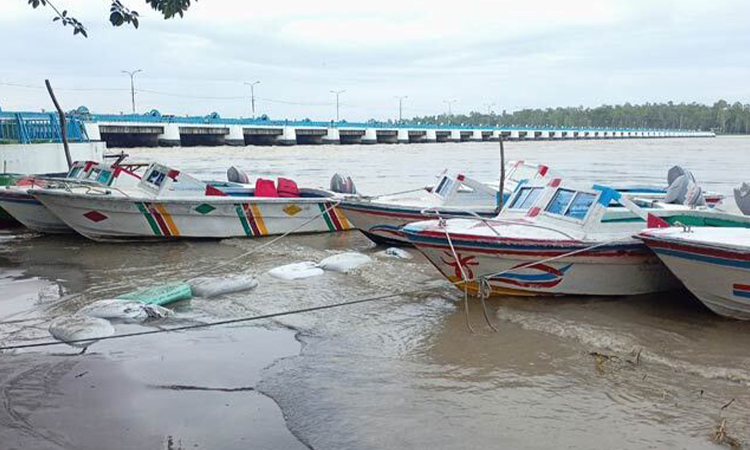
x,y
342,184
742,198
683,190
235,175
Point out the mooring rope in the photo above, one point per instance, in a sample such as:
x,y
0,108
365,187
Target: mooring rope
x,y
481,279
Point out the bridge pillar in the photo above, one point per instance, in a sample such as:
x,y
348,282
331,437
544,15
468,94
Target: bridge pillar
x,y
402,136
455,136
92,131
332,137
171,136
370,137
543,134
236,136
430,136
288,136
515,135
476,135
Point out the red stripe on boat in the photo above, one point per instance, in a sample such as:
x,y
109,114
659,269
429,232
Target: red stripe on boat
x,y
251,219
159,220
334,218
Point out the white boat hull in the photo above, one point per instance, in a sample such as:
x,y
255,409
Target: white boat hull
x,y
121,218
719,278
32,214
618,269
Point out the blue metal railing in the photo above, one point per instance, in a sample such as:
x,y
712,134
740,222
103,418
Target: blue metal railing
x,y
32,127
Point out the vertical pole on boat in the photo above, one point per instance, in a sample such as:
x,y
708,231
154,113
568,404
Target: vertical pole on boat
x,y
502,177
63,125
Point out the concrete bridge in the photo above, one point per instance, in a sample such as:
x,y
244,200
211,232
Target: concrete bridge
x,y
154,129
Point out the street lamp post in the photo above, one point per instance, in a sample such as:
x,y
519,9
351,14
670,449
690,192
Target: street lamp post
x,y
132,85
400,107
252,95
337,93
449,103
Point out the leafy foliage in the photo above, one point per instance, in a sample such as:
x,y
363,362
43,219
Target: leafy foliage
x,y
170,8
720,117
119,14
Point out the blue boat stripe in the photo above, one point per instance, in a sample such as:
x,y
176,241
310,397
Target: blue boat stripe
x,y
703,258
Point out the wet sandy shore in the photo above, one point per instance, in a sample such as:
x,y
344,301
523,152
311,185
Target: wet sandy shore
x,y
175,392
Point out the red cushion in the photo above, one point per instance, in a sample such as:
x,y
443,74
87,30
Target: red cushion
x,y
287,188
265,188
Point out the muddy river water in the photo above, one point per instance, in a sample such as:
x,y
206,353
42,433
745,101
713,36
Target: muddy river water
x,y
655,371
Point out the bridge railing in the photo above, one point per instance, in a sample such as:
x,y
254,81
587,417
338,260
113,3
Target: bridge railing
x,y
216,120
29,128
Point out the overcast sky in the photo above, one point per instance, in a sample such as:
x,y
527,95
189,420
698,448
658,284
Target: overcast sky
x,y
513,54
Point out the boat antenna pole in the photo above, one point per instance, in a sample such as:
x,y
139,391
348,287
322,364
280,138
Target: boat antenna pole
x,y
63,125
502,176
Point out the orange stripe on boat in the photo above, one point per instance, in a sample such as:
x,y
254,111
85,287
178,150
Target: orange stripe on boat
x,y
342,218
259,219
168,219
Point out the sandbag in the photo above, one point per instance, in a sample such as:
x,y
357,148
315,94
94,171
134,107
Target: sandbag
x,y
75,327
118,309
395,252
344,262
214,286
296,271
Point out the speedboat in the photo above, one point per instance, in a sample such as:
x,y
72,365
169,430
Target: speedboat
x,y
381,218
551,239
713,263
30,212
561,238
167,203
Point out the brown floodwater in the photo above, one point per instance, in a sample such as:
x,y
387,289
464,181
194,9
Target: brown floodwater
x,y
654,371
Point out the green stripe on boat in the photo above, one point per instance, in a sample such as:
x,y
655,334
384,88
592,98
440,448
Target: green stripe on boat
x,y
161,295
243,220
323,209
151,222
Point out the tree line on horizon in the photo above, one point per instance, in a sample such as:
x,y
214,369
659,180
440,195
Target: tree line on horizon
x,y
721,117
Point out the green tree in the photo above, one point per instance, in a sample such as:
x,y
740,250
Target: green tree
x,y
119,14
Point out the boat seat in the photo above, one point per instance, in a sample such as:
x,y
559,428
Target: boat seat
x,y
287,188
265,188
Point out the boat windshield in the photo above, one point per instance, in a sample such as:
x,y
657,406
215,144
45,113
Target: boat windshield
x,y
571,204
75,172
444,187
526,197
103,177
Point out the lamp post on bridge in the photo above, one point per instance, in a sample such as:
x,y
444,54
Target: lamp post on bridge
x,y
400,107
132,85
449,103
252,95
337,93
